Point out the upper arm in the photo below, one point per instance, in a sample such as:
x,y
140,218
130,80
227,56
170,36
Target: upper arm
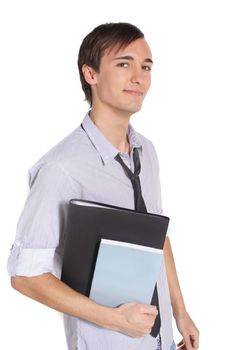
x,y
40,228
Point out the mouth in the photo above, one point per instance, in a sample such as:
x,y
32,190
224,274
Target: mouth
x,y
134,92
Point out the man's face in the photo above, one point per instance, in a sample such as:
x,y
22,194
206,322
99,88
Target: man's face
x,y
124,77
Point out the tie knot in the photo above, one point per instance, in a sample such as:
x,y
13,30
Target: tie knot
x,y
134,176
137,167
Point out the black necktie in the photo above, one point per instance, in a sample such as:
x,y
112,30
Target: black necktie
x,y
134,177
141,207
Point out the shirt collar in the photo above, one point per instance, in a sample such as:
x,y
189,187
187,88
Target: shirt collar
x,y
104,147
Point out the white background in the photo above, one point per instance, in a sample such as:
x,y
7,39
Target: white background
x,y
187,114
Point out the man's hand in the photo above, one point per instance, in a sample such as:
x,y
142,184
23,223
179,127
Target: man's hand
x,y
136,319
189,332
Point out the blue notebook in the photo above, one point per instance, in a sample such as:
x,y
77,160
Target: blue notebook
x,y
125,272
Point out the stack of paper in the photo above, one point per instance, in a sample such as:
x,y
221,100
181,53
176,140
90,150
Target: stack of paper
x,y
125,272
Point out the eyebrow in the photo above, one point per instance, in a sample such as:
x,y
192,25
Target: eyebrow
x,y
131,59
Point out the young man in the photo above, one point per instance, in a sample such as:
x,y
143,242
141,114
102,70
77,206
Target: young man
x,y
115,64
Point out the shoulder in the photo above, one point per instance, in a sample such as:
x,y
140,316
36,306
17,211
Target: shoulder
x,y
58,159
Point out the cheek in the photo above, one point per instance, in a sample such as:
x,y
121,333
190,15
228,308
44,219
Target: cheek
x,y
112,84
148,85
116,76
147,81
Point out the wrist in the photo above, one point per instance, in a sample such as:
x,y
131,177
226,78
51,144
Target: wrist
x,y
179,311
111,318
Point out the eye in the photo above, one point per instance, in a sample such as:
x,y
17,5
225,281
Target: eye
x,y
126,64
123,64
146,68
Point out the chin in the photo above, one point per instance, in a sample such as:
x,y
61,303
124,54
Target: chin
x,y
132,108
135,109
128,108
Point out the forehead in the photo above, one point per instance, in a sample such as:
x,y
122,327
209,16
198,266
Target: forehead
x,y
137,48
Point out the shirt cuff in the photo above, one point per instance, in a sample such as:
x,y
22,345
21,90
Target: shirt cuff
x,y
168,229
31,262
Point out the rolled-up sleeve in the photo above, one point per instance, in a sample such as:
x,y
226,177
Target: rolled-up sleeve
x,y
40,229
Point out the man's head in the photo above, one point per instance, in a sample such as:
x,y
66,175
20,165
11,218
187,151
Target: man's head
x,y
114,65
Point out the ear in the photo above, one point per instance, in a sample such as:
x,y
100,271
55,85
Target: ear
x,y
89,74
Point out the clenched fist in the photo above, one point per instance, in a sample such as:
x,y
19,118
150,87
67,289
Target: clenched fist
x,y
136,320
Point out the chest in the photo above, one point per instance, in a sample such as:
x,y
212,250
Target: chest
x,y
108,183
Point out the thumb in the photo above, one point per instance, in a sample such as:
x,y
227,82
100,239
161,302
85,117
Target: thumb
x,y
150,309
188,344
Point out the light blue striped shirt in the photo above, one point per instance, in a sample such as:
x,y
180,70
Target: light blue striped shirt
x,y
82,165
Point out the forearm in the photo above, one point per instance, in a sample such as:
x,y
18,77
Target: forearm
x,y
177,301
52,292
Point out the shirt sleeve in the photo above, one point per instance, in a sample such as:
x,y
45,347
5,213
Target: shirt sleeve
x,y
156,170
40,237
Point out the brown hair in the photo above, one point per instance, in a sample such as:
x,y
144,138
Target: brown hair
x,y
105,36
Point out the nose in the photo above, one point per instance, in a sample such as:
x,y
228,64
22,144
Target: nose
x,y
137,76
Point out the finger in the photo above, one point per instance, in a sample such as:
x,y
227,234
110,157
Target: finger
x,y
150,310
181,345
195,341
187,341
181,342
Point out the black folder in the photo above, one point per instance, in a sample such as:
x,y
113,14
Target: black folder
x,y
88,222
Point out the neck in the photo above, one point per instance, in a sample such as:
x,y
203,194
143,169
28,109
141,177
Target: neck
x,y
113,125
